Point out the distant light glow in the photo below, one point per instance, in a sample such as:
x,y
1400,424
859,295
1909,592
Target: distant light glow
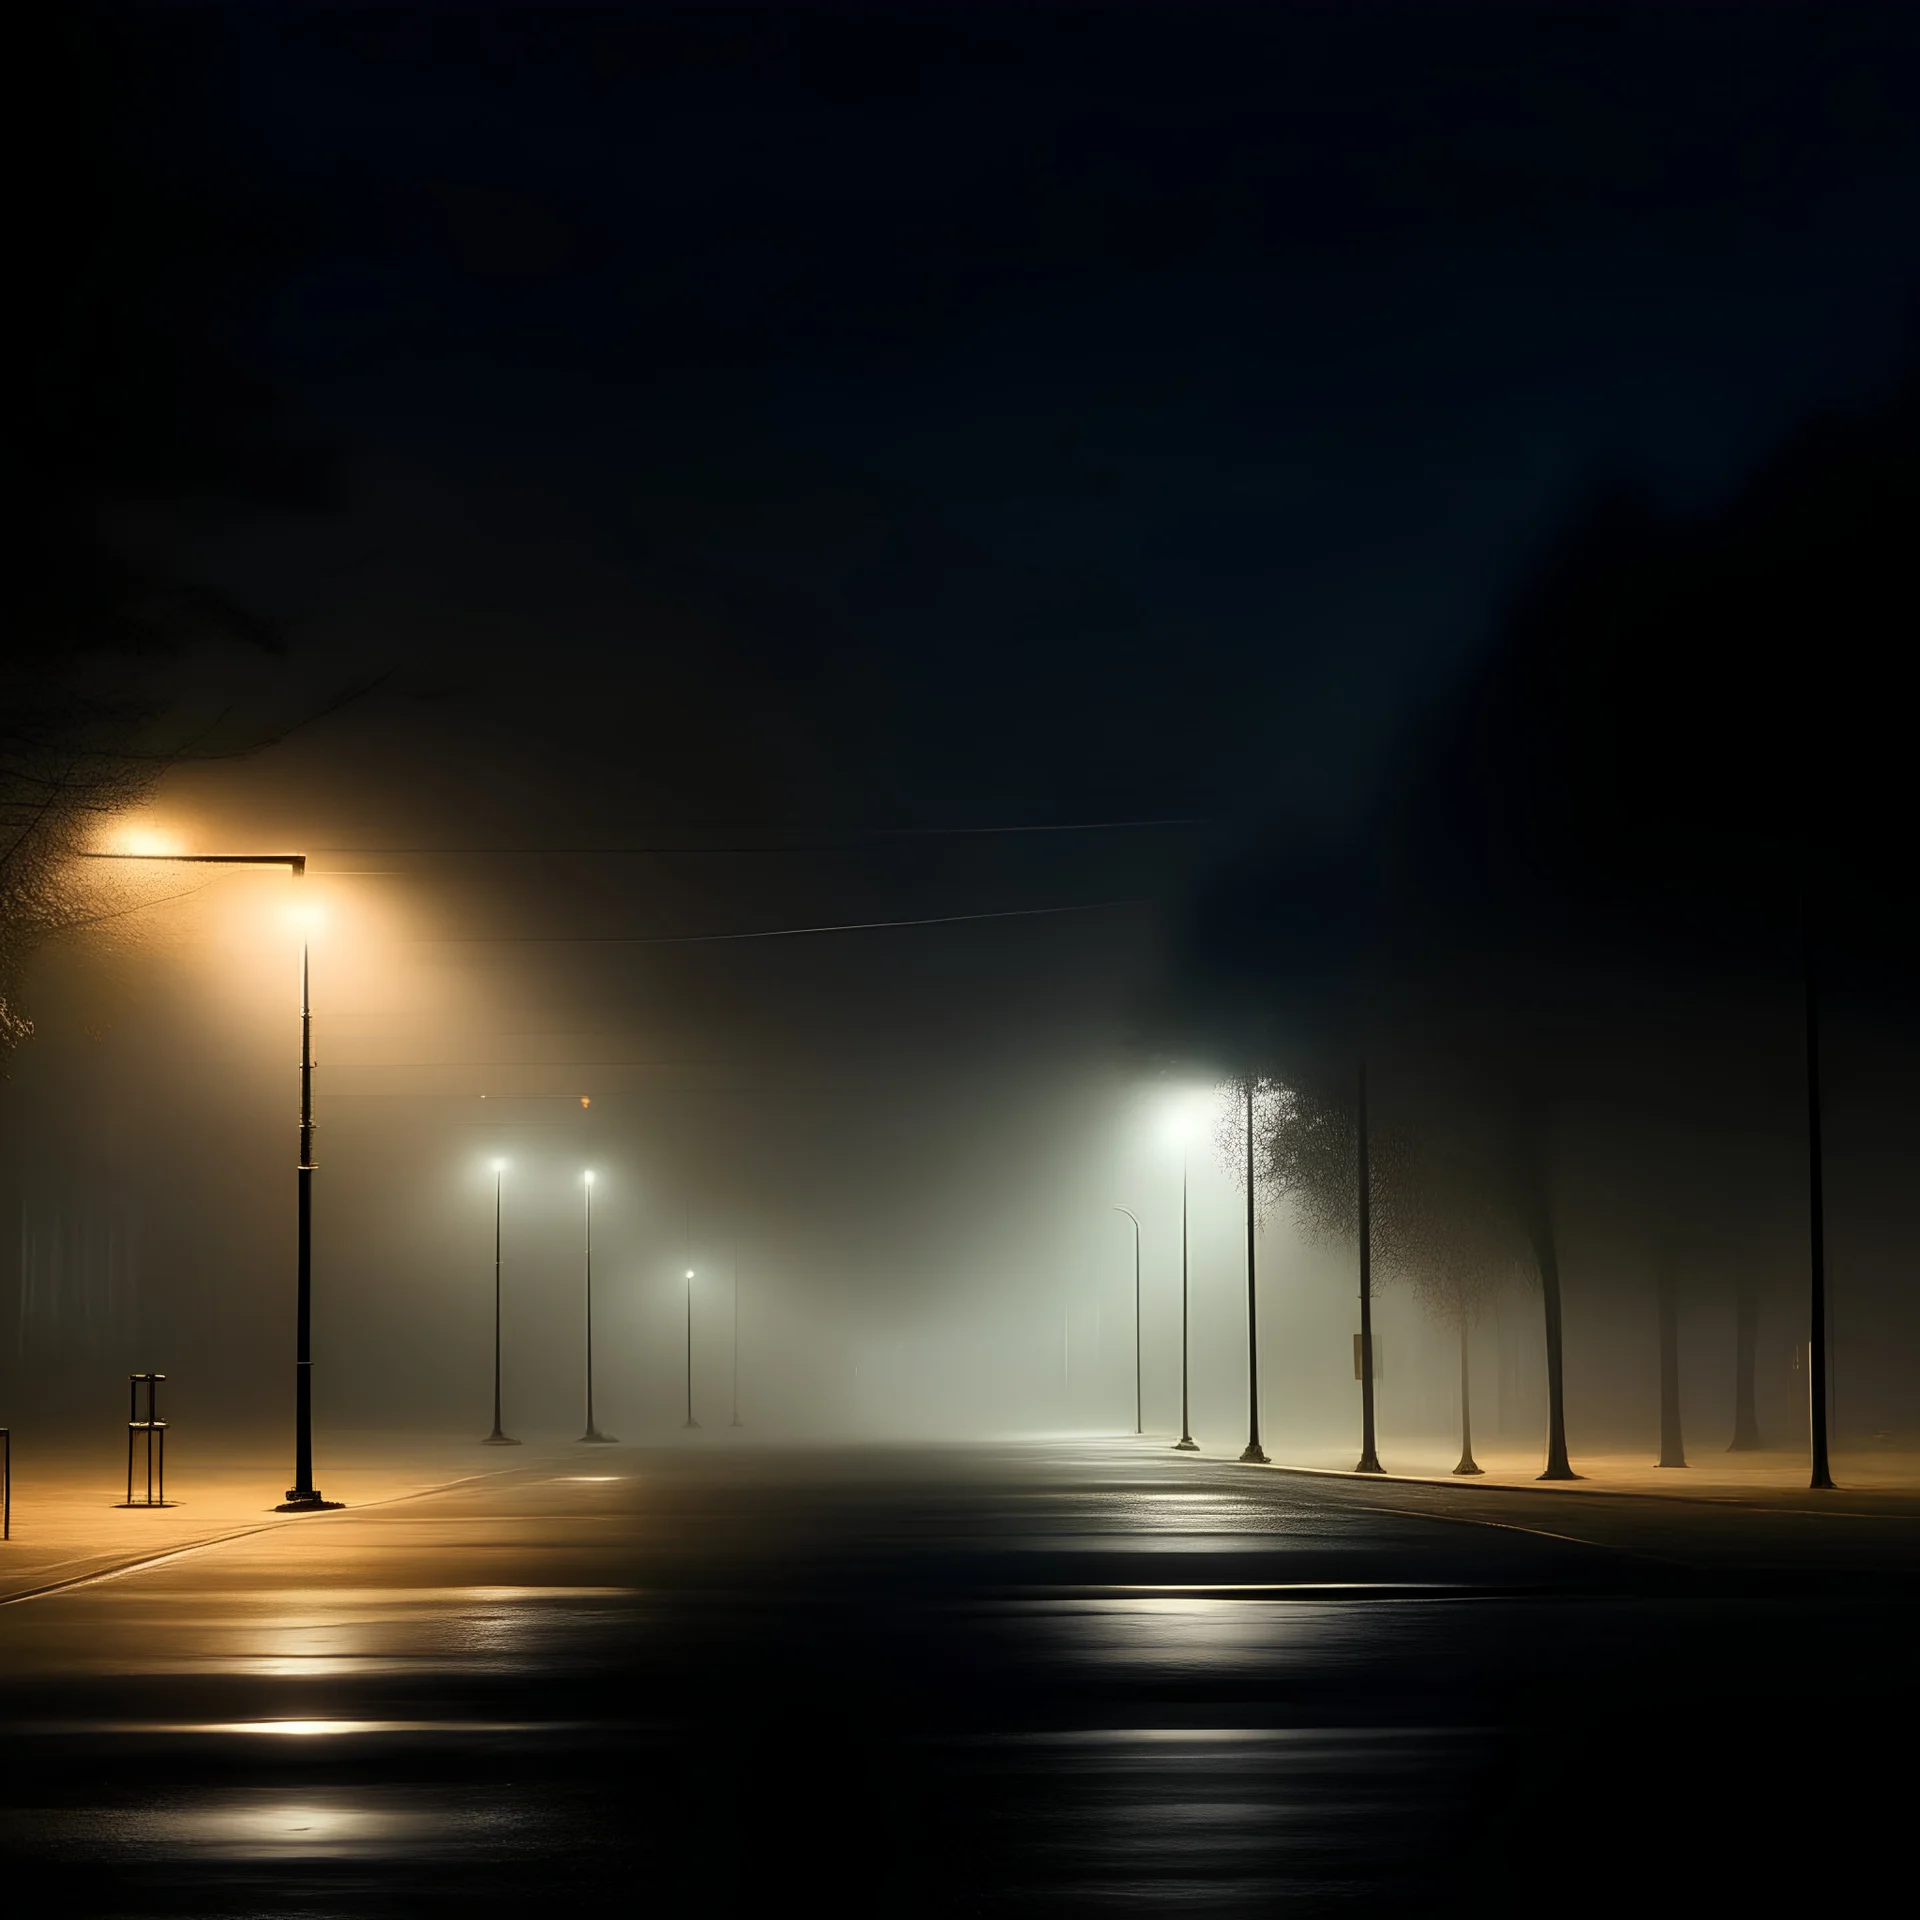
x,y
689,1273
148,843
588,1176
1184,1113
308,915
499,1166
322,1729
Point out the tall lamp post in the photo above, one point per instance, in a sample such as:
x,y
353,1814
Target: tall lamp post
x,y
1135,1218
1254,1455
1186,1443
303,1496
1821,1475
1369,1458
498,1437
736,1421
593,1433
690,1421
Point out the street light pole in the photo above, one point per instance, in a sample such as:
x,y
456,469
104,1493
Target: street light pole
x,y
303,1496
690,1421
1369,1459
592,1433
498,1437
303,1493
1821,1476
736,1421
1254,1454
1137,1426
1186,1443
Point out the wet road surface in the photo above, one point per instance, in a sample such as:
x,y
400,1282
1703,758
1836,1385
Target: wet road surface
x,y
1026,1680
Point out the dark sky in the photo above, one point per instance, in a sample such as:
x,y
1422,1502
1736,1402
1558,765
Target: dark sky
x,y
903,415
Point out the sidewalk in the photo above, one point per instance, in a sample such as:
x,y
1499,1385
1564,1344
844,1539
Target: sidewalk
x,y
69,1524
1883,1481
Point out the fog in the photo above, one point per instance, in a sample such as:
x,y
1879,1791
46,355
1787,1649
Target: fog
x,y
897,1153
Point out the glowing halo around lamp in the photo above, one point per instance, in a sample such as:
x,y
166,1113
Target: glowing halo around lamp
x,y
1185,1112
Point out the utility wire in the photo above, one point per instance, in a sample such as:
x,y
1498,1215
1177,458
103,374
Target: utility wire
x,y
760,933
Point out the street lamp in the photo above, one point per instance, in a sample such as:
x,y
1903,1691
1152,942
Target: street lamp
x,y
593,1433
1181,1122
499,1438
736,1421
1135,1218
303,1496
690,1421
1369,1461
1254,1455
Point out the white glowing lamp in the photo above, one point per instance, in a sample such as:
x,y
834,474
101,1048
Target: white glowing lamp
x,y
1185,1114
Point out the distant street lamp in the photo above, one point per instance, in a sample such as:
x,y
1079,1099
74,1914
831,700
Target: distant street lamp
x,y
498,1437
1135,1218
1186,1443
1183,1116
1821,1476
690,1421
1253,1456
1369,1461
593,1433
736,1421
303,1496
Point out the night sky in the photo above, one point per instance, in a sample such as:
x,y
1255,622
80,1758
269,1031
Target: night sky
x,y
910,416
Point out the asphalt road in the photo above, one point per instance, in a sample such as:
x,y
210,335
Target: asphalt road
x,y
1033,1680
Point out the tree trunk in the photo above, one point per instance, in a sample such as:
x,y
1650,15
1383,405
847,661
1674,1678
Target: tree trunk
x,y
1546,1256
1672,1449
1467,1461
1746,1331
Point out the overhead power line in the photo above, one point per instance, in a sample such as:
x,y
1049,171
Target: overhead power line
x,y
762,933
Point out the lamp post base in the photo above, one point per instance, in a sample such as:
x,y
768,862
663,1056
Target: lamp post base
x,y
1369,1463
307,1501
593,1437
1254,1456
688,1422
498,1439
1469,1465
1186,1444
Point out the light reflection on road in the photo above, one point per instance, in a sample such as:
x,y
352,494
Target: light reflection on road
x,y
290,1824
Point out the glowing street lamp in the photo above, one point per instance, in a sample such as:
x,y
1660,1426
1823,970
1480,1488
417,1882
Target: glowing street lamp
x,y
303,1496
1254,1455
1183,1119
498,1437
690,1421
736,1421
593,1433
